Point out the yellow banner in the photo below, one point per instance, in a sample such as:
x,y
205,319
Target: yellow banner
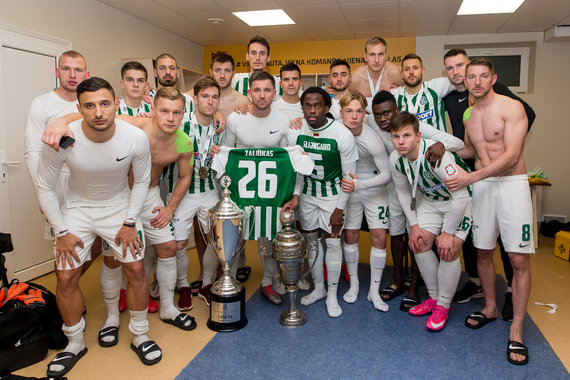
x,y
313,57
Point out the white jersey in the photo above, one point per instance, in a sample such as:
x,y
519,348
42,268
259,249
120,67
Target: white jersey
x,y
132,111
335,109
249,131
43,110
427,104
430,182
372,166
292,110
240,83
333,150
99,172
450,142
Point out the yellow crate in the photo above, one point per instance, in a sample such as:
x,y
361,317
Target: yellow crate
x,y
562,245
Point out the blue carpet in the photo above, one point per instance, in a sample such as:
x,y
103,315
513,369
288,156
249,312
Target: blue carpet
x,y
366,344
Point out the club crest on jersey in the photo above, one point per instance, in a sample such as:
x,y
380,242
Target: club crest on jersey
x,y
450,169
216,139
423,101
428,175
425,115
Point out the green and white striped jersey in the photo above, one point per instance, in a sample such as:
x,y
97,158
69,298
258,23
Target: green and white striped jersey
x,y
126,110
329,147
196,131
431,180
263,178
427,103
240,83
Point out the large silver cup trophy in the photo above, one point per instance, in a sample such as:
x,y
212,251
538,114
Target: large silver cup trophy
x,y
289,249
225,226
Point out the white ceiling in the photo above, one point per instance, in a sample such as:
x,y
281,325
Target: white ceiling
x,y
338,19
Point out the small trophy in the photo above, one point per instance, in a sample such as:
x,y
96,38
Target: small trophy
x,y
226,224
288,249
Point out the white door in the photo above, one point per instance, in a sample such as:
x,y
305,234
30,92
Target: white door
x,y
27,70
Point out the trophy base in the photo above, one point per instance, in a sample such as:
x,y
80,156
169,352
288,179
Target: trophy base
x,y
227,313
293,318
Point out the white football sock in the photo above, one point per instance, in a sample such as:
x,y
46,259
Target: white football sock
x,y
428,266
319,291
377,264
138,325
111,280
334,264
351,255
166,277
182,268
76,343
210,263
448,278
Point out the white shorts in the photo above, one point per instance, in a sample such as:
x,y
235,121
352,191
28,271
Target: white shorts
x,y
184,215
397,216
154,235
372,203
61,191
89,222
432,215
502,205
315,213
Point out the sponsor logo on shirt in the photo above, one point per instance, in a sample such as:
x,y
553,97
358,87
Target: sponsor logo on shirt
x,y
425,115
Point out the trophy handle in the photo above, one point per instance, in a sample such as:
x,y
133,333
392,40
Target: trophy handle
x,y
312,246
263,249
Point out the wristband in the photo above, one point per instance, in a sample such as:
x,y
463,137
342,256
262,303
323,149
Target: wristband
x,y
130,225
61,233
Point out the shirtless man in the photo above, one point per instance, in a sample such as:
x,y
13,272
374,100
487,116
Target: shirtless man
x,y
496,127
378,73
222,69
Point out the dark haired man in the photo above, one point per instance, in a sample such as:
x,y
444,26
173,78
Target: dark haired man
x,y
98,202
222,69
322,202
134,80
339,81
291,82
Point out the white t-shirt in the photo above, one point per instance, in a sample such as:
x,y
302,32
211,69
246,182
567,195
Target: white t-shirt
x,y
292,110
99,172
43,110
248,131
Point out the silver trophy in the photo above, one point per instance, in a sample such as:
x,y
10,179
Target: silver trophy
x,y
225,226
289,249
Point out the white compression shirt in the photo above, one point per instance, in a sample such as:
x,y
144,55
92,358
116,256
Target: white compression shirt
x,y
372,166
248,131
291,110
99,172
43,110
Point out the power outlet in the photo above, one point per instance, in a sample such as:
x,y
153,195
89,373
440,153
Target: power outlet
x,y
548,218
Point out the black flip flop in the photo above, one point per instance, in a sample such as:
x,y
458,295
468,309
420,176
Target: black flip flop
x,y
481,319
407,303
180,322
243,274
108,331
514,347
195,287
146,348
390,293
65,359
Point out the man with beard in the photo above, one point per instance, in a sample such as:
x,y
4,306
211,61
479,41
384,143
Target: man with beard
x,y
339,80
423,99
262,127
222,69
378,73
496,128
456,103
98,202
384,111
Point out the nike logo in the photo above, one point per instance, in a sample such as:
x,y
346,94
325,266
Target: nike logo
x,y
460,100
512,347
145,349
63,357
521,245
437,325
335,284
384,222
272,132
121,159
